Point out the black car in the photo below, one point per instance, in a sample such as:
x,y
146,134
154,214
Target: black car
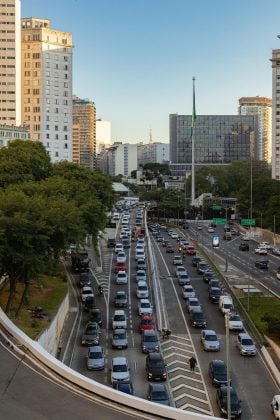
x,y
158,393
202,267
221,398
263,264
95,316
196,260
244,246
214,294
218,372
125,386
84,280
214,283
90,303
208,275
126,243
155,367
197,318
111,242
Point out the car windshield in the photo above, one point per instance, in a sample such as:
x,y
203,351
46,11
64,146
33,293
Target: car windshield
x,y
198,315
227,305
120,336
142,287
119,318
121,275
87,292
119,368
159,395
147,322
158,363
145,305
247,342
212,337
150,338
95,355
216,292
234,318
91,330
220,370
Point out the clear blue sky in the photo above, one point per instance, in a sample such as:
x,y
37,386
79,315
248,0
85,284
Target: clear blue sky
x,y
136,58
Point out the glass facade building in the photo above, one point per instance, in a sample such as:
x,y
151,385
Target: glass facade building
x,y
218,139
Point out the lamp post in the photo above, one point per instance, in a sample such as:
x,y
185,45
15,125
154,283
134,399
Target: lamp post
x,y
228,366
274,230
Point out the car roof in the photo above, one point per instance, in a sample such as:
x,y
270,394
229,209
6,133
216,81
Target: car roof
x,y
155,356
119,360
149,332
209,332
218,362
119,312
144,300
244,335
95,349
157,387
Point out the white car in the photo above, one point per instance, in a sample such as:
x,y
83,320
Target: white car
x,y
177,260
145,307
174,235
234,322
188,291
266,245
142,291
192,303
121,277
209,340
199,227
211,229
121,257
119,370
118,248
260,250
86,291
180,269
139,254
119,319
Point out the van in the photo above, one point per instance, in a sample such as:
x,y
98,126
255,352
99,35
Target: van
x,y
225,304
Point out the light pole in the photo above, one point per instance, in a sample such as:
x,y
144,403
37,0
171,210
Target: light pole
x,y
228,366
274,230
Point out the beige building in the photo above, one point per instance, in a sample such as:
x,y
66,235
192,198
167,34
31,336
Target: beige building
x,y
10,62
76,144
47,86
262,108
11,132
84,116
275,161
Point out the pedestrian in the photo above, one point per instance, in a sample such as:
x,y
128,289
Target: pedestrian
x,y
192,363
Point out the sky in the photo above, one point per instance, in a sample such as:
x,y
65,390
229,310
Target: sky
x,y
136,58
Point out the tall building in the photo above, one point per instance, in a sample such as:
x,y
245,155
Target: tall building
x,y
84,115
262,107
219,140
47,86
10,62
119,159
153,152
103,134
275,155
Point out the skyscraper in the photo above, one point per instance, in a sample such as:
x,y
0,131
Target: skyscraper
x,y
275,158
10,63
103,134
47,86
261,107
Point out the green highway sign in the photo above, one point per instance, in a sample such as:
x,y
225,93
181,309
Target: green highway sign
x,y
248,222
219,221
216,207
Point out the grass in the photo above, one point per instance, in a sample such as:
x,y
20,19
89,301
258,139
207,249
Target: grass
x,y
259,307
47,292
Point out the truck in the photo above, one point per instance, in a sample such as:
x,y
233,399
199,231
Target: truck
x,y
227,233
80,261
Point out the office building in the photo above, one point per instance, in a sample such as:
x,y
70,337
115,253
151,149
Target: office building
x,y
262,107
84,116
219,140
76,143
11,132
103,134
47,86
153,153
119,159
10,62
275,154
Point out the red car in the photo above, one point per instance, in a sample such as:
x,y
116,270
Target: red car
x,y
191,250
146,323
120,267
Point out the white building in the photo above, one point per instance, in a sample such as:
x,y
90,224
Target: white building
x,y
262,107
47,86
119,159
103,134
11,132
275,161
10,62
153,153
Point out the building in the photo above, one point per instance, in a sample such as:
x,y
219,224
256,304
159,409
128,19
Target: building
x,y
219,140
11,132
84,116
10,63
153,152
262,107
275,154
47,86
76,155
103,134
119,159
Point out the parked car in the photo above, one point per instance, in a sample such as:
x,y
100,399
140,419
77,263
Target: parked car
x,y
146,323
118,248
158,393
141,264
91,335
209,340
262,264
145,307
120,300
95,358
221,398
218,372
150,341
245,345
235,322
119,319
119,370
155,367
119,339
139,254
197,318
121,277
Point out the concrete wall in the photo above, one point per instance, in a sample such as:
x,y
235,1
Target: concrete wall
x,y
50,338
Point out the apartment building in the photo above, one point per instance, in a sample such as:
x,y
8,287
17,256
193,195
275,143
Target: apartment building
x,y
275,154
119,159
47,86
103,134
9,133
154,152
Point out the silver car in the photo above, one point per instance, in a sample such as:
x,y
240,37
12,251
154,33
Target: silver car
x,y
119,339
119,370
246,345
209,340
95,358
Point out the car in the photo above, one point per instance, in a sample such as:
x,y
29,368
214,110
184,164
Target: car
x,y
121,277
86,292
180,269
190,250
95,358
210,229
188,291
276,251
221,398
275,406
266,245
192,302
195,260
120,267
234,322
118,248
202,267
141,275
84,280
142,291
158,393
209,340
243,246
119,339
174,235
260,250
95,316
214,283
214,294
145,307
139,254
119,370
177,260
124,386
246,237
120,300
197,318
199,227
146,323
141,264
149,341
91,335
183,279
169,249
139,247
89,303
164,243
245,345
119,319
262,264
218,372
155,367
208,275
160,238
126,243
184,243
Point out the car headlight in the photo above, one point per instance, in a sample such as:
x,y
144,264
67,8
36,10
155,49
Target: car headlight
x,y
223,410
157,347
164,375
144,348
150,375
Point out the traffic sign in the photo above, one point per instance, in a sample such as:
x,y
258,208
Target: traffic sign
x,y
216,207
248,222
219,221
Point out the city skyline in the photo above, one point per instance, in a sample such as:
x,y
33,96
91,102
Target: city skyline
x,y
136,61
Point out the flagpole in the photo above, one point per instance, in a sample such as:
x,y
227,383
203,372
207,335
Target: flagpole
x,y
192,137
